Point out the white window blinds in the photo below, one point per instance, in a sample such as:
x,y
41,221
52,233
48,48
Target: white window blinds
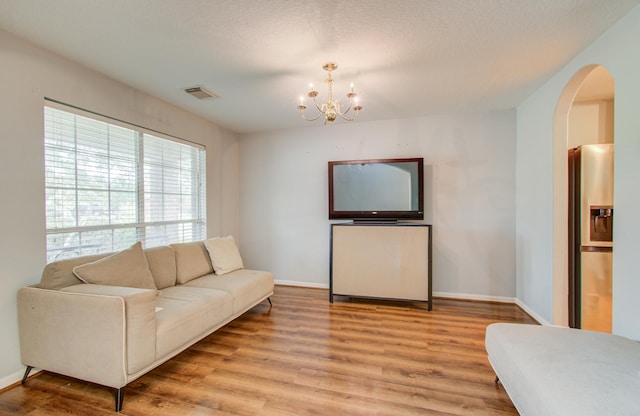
x,y
109,185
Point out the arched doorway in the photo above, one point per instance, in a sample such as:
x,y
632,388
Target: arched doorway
x,y
587,97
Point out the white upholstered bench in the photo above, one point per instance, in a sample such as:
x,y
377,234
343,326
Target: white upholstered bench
x,y
565,372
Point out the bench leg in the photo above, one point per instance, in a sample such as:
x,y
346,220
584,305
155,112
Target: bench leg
x,y
26,374
119,399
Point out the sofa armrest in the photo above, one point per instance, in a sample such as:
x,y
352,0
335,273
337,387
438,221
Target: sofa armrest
x,y
91,332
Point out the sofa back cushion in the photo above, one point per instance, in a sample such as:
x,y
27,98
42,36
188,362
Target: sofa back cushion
x,y
178,263
128,268
192,261
162,263
59,274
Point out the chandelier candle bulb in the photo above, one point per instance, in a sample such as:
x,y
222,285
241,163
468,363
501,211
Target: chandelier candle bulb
x,y
301,106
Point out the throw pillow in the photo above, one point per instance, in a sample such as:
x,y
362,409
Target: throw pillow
x,y
224,254
126,268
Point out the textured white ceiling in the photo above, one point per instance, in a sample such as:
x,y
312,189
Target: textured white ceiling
x,y
406,57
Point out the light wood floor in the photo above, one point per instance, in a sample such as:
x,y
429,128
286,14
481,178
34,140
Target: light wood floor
x,y
305,356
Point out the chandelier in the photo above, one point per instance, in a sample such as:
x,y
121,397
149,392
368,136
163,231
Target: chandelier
x,y
332,108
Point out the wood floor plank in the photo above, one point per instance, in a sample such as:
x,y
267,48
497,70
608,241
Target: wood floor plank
x,y
306,356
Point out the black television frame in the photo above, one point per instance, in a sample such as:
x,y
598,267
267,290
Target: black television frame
x,y
387,216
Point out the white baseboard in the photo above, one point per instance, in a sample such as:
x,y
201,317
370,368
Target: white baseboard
x,y
301,284
468,296
502,299
11,379
15,377
462,296
532,313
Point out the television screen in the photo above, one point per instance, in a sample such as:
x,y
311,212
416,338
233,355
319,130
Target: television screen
x,y
381,189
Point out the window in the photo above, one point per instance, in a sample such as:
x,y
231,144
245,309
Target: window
x,y
109,185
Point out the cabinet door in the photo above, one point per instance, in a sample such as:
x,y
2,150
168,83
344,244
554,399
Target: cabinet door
x,y
381,261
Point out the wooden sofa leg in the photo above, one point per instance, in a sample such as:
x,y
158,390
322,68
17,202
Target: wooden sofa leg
x,y
497,380
119,398
270,304
26,374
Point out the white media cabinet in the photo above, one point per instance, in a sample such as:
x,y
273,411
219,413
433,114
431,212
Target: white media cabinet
x,y
381,261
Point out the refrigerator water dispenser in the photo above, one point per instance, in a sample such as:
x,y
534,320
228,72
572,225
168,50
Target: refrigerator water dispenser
x,y
601,223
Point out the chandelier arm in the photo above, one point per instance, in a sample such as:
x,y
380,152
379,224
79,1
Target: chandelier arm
x,y
317,106
347,110
355,116
310,119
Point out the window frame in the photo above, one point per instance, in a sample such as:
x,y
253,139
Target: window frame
x,y
184,159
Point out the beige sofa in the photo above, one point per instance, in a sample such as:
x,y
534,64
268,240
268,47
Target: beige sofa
x,y
113,332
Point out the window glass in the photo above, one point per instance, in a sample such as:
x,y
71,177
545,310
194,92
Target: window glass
x,y
108,185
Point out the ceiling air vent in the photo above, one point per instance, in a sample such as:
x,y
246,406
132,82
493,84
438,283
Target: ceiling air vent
x,y
200,93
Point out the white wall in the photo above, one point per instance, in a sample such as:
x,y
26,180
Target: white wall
x,y
618,51
27,75
470,196
591,122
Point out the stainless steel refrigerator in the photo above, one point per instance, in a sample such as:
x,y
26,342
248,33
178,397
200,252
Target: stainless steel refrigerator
x,y
590,236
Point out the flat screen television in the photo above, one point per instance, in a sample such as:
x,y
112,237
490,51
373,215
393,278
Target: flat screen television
x,y
377,189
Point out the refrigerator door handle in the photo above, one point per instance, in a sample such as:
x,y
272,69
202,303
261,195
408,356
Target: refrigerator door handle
x,y
596,249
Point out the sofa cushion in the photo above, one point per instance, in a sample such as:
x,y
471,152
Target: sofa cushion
x,y
192,260
224,254
246,286
59,274
162,263
127,268
185,314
